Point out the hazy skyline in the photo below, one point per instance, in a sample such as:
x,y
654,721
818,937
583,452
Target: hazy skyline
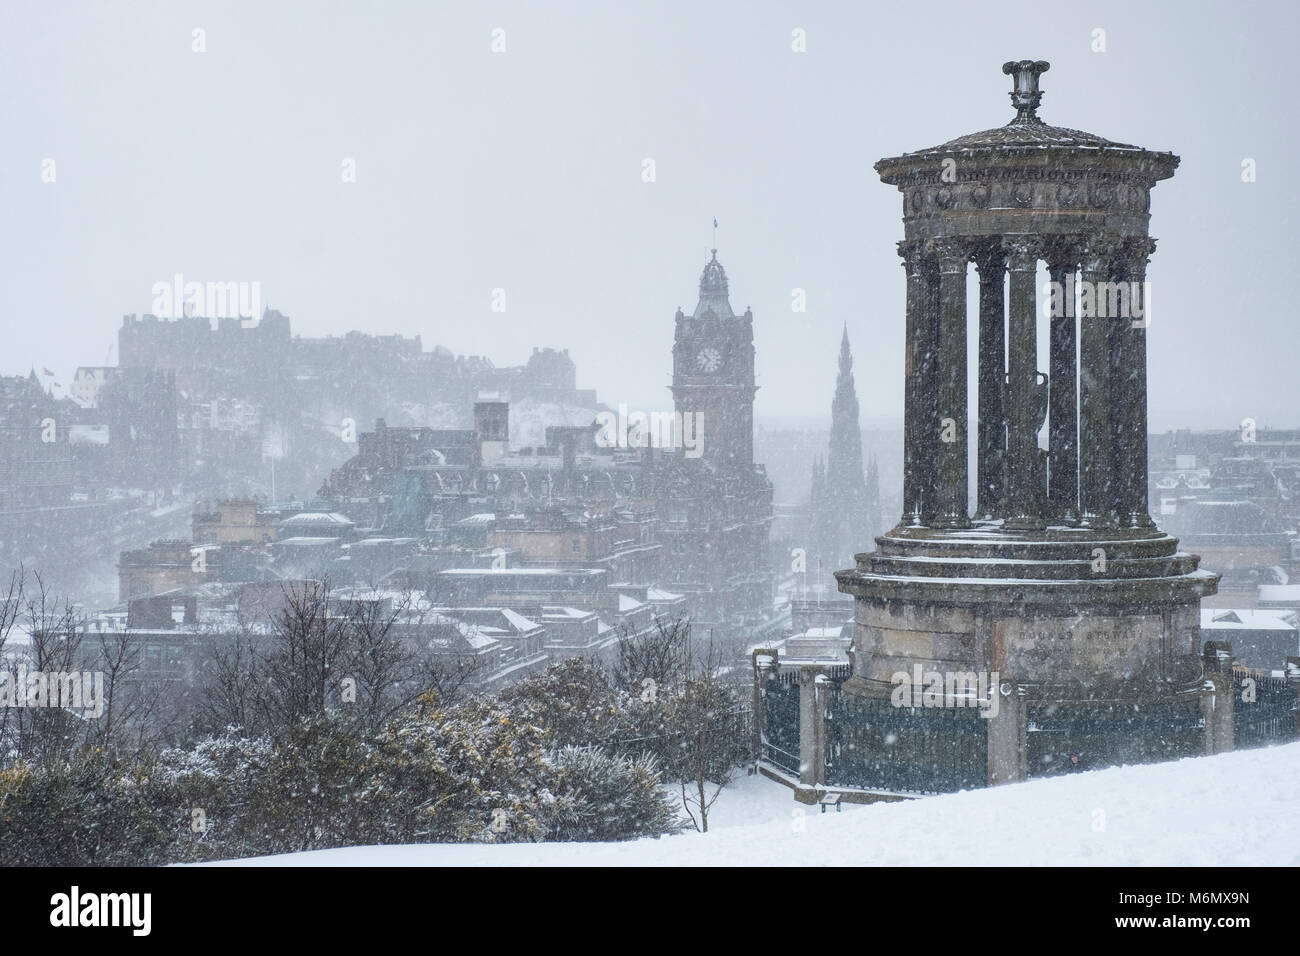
x,y
522,170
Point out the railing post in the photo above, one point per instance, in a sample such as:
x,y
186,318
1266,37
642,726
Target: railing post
x,y
812,725
1005,737
764,660
1293,682
1218,703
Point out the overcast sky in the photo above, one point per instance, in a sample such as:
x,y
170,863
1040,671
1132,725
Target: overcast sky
x,y
522,170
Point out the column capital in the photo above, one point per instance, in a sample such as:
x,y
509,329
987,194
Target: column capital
x,y
1064,252
1099,250
913,252
953,254
991,261
1136,255
1023,252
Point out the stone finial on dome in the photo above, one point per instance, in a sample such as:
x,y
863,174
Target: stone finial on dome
x,y
1026,96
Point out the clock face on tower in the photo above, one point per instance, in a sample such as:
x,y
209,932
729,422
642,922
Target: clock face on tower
x,y
709,360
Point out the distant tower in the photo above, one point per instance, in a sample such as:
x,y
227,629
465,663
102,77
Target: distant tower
x,y
492,427
713,372
717,508
841,513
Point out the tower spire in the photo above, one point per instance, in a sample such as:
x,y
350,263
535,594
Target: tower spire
x,y
841,511
714,290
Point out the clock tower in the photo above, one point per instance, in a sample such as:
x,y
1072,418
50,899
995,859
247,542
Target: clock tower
x,y
713,373
716,509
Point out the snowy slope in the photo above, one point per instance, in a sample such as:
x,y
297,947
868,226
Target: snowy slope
x,y
1234,809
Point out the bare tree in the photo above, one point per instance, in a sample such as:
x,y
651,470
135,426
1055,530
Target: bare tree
x,y
53,627
705,717
119,656
9,613
306,659
139,711
302,660
659,655
383,656
447,664
228,678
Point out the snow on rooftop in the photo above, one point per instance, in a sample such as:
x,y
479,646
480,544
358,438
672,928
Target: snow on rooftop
x,y
1215,619
318,518
517,620
570,612
477,637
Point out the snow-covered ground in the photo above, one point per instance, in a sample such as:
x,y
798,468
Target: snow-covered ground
x,y
1234,809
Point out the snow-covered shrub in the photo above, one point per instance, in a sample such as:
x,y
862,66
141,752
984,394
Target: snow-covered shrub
x,y
92,810
607,797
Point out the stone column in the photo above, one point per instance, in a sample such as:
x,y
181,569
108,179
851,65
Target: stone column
x,y
1218,698
1006,743
1293,681
992,429
930,389
1063,419
765,664
913,397
1128,391
950,440
812,726
1096,497
1007,753
1022,507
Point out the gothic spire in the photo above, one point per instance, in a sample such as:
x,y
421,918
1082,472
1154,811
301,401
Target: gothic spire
x,y
844,464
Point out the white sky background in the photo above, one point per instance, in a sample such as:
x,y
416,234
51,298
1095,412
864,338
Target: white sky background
x,y
522,171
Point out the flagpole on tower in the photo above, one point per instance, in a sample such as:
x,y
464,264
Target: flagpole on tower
x,y
715,232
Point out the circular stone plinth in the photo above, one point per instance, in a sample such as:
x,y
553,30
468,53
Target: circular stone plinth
x,y
987,564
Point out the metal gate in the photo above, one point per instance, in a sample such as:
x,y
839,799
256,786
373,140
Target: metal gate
x,y
1267,719
874,745
1070,735
781,722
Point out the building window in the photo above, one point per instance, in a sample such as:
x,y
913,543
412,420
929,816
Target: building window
x,y
577,546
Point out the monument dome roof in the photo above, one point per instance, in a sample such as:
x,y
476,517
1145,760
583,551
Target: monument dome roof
x,y
1033,132
1026,130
